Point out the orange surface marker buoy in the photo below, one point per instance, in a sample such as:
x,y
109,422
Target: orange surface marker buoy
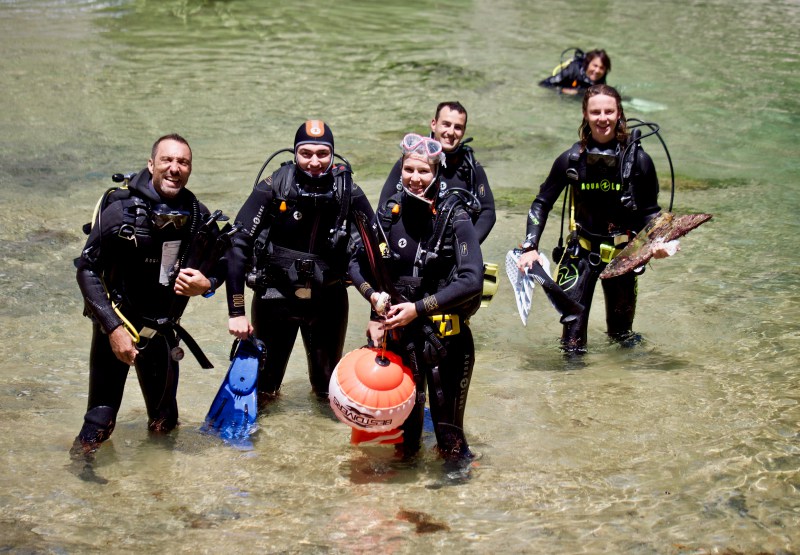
x,y
372,393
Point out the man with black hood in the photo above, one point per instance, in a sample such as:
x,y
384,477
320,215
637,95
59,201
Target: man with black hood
x,y
293,251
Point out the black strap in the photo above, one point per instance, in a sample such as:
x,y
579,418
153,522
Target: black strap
x,y
181,332
573,175
343,180
454,198
165,325
629,162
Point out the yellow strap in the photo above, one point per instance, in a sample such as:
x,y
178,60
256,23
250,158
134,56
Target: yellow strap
x,y
572,225
607,251
447,324
560,66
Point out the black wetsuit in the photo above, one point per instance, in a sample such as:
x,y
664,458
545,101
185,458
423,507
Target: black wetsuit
x,y
450,284
571,77
601,218
124,253
298,260
462,171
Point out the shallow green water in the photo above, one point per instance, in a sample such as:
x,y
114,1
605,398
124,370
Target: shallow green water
x,y
687,444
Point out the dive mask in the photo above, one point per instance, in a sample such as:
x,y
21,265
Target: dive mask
x,y
607,157
425,146
162,215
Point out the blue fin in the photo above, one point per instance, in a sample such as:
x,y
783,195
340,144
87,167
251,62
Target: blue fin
x,y
232,415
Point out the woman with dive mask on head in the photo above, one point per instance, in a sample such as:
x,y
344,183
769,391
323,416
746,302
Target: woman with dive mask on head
x,y
432,257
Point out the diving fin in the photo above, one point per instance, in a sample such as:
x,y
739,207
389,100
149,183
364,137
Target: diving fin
x,y
523,284
232,415
564,305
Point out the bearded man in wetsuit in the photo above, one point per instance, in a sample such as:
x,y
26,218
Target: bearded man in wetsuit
x,y
459,169
126,273
296,244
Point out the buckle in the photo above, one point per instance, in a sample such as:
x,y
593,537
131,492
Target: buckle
x,y
621,239
607,252
148,333
304,267
446,324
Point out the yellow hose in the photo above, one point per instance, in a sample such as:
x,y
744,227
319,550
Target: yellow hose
x,y
126,324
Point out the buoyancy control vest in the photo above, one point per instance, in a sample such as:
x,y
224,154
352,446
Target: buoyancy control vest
x,y
435,263
135,226
275,266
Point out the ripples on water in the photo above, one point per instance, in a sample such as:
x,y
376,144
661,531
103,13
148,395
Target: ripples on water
x,y
687,444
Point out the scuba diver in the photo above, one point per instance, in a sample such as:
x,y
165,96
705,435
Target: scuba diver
x,y
293,251
574,76
134,293
448,126
432,285
612,194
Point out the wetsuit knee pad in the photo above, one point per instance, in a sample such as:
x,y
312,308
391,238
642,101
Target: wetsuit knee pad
x,y
98,423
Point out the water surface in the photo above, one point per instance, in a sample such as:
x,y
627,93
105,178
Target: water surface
x,y
687,444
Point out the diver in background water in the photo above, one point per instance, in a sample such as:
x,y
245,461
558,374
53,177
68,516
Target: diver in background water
x,y
580,73
606,208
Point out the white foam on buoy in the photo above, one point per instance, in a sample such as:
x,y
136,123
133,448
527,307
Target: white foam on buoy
x,y
372,396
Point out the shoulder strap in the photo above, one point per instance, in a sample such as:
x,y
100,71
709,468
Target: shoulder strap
x,y
574,168
630,157
386,216
281,185
469,157
196,222
453,201
343,183
111,195
284,193
573,175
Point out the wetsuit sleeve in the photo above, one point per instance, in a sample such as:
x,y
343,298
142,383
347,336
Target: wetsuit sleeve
x,y
360,273
390,186
647,188
91,266
487,217
254,216
549,192
467,280
358,267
